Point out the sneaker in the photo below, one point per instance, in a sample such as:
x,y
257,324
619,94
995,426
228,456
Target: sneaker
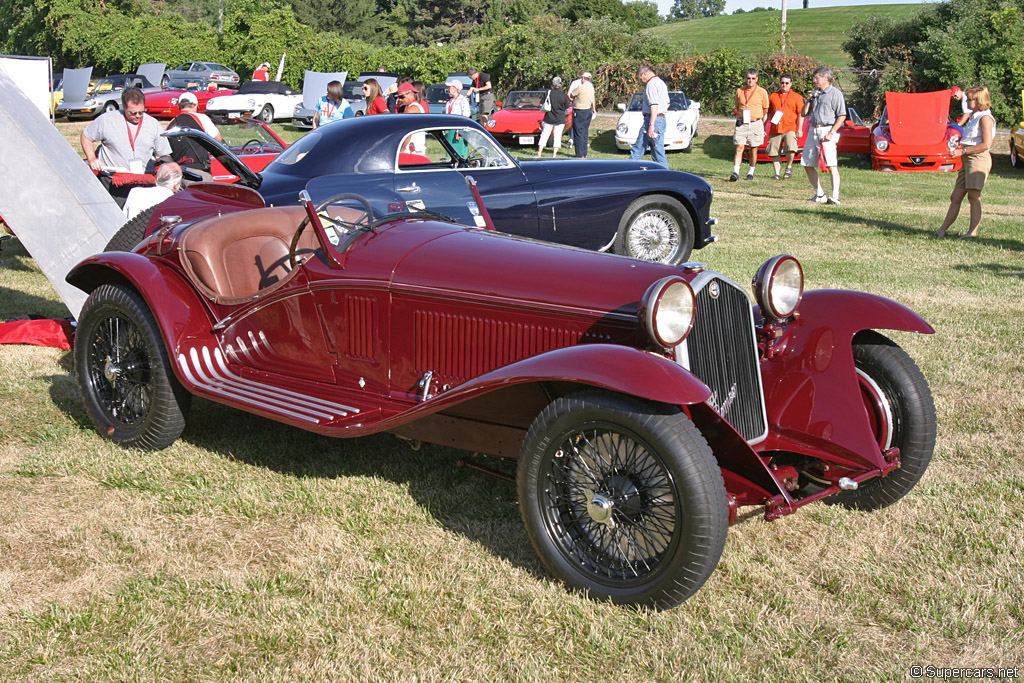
x,y
734,177
818,199
750,176
833,200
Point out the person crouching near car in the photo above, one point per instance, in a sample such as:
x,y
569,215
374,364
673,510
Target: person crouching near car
x,y
168,181
332,106
187,153
977,161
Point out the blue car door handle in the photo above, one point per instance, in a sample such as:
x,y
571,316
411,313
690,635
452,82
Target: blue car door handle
x,y
414,189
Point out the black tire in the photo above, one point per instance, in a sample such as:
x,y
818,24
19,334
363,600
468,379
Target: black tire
x,y
1014,157
164,81
131,233
657,228
267,114
110,106
902,414
124,374
644,467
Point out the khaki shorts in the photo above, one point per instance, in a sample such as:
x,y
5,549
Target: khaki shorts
x,y
775,143
974,172
749,133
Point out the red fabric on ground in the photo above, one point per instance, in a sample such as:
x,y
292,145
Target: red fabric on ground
x,y
54,333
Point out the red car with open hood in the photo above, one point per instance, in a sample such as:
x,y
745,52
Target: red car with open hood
x,y
915,133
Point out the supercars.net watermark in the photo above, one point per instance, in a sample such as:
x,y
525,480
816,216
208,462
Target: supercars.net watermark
x,y
944,673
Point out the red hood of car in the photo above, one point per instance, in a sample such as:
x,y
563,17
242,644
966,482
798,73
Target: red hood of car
x,y
918,118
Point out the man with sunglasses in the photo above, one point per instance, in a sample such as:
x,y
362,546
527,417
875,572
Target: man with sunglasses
x,y
751,112
130,140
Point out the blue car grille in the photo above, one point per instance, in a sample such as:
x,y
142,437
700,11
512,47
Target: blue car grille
x,y
721,351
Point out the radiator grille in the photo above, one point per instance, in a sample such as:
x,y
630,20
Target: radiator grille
x,y
459,347
722,351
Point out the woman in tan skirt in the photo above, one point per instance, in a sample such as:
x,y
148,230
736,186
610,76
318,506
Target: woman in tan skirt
x,y
977,161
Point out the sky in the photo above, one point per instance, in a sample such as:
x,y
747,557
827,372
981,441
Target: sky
x,y
665,6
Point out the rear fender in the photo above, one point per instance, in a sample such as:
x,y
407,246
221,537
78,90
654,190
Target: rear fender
x,y
179,312
811,389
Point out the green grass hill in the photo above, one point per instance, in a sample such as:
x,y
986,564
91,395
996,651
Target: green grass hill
x,y
816,32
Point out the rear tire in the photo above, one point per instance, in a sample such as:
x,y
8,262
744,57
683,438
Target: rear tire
x,y
131,233
125,377
622,498
902,414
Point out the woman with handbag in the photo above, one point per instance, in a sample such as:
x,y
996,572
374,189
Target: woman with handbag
x,y
555,107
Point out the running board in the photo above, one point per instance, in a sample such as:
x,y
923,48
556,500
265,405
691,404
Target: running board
x,y
207,370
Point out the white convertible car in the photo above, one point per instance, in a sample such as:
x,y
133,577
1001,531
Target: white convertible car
x,y
264,100
681,122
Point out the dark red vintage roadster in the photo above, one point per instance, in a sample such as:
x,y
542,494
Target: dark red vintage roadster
x,y
645,403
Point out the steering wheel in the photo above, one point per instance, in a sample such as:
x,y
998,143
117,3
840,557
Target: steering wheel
x,y
366,218
475,162
253,146
493,162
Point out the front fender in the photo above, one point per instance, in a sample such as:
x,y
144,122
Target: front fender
x,y
179,312
622,369
812,393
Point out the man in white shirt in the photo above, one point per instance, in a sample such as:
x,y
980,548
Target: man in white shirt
x,y
168,181
655,104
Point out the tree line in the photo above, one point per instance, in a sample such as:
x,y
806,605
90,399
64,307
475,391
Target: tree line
x,y
521,43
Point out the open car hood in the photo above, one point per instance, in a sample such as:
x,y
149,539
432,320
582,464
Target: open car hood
x,y
221,153
918,118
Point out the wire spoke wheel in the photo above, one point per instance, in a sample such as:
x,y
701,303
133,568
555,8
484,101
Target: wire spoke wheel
x,y
622,498
611,505
654,236
123,371
119,370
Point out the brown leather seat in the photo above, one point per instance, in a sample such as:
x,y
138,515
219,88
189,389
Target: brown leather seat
x,y
233,258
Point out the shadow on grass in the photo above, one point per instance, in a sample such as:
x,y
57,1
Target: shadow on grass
x,y
840,216
481,508
604,142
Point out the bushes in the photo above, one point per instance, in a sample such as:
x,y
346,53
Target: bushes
x,y
960,42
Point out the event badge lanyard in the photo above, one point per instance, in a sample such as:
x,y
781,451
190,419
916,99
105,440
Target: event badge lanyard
x,y
135,164
329,110
746,101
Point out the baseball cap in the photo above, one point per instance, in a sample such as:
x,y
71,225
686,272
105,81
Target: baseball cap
x,y
454,83
187,97
406,87
587,74
557,81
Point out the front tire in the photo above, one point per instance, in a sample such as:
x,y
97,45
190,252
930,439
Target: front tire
x,y
902,414
656,228
622,499
267,114
124,374
131,233
110,106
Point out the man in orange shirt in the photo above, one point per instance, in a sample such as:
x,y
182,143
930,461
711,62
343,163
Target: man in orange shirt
x,y
785,110
751,112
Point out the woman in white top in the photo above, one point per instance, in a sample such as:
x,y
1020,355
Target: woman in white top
x,y
977,161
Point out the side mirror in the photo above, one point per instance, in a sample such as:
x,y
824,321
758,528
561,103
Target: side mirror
x,y
621,106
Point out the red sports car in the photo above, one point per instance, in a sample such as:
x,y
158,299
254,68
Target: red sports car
x,y
854,138
642,404
518,121
915,133
163,104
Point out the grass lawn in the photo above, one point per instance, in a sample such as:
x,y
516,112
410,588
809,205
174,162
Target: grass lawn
x,y
817,32
254,551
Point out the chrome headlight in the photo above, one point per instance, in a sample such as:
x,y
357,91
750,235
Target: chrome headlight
x,y
295,112
174,100
622,129
779,286
666,310
491,123
881,144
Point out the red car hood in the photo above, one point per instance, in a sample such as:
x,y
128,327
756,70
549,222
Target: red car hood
x,y
918,118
